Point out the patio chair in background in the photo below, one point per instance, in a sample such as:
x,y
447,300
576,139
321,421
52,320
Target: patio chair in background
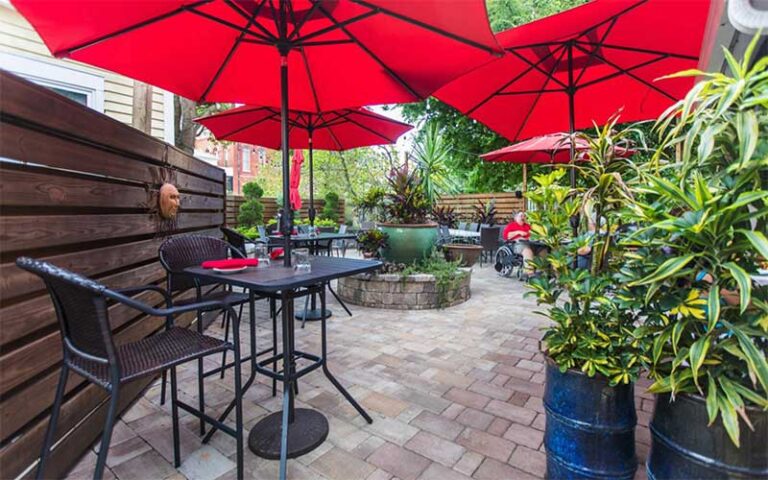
x,y
473,227
340,246
367,225
89,350
443,235
240,241
489,240
462,225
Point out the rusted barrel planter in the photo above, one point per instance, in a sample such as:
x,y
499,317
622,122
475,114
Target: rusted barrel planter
x,y
590,432
414,292
683,446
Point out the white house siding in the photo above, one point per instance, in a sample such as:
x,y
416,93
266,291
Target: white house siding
x,y
18,38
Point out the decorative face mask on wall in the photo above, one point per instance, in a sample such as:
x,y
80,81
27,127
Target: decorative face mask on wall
x,y
170,201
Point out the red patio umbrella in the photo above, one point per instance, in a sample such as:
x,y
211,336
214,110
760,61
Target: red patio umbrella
x,y
336,130
309,55
565,71
295,197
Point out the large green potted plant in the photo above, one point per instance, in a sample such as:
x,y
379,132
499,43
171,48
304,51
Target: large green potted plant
x,y
406,211
703,220
592,356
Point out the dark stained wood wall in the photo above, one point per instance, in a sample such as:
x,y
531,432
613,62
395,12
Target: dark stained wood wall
x,y
507,204
271,208
78,189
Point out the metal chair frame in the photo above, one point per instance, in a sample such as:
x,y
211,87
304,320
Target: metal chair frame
x,y
86,350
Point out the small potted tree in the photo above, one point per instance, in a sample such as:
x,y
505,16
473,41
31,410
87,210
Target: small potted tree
x,y
703,218
330,214
412,235
592,356
251,213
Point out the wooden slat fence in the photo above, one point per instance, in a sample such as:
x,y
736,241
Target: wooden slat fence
x,y
271,208
507,204
77,189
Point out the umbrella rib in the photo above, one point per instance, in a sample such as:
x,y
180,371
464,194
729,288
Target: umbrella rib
x,y
337,25
297,27
252,124
427,26
234,112
622,72
538,67
68,51
231,52
596,48
532,92
309,77
538,97
632,75
612,18
268,35
231,25
642,50
504,86
383,65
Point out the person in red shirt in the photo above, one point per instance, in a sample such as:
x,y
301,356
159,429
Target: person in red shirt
x,y
519,230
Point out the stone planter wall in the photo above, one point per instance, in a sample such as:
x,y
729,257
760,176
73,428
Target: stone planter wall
x,y
415,292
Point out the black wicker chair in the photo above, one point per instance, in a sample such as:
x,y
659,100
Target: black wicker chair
x,y
89,350
178,253
240,241
489,240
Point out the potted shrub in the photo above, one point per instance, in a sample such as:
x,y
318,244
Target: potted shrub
x,y
251,213
406,209
703,219
326,225
331,207
592,356
371,241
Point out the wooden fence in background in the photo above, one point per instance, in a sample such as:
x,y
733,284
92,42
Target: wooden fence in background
x,y
271,208
78,189
507,204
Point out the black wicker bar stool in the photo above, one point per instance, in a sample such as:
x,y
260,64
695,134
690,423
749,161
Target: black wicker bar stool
x,y
179,253
89,350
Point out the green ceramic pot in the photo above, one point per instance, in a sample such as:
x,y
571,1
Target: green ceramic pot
x,y
409,243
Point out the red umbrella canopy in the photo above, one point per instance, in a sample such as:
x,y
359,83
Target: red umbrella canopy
x,y
553,148
340,52
298,160
336,130
590,61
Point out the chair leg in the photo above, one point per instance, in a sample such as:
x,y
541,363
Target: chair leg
x,y
162,388
175,419
226,338
106,437
51,431
238,414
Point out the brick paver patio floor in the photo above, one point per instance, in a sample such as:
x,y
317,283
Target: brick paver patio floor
x,y
455,394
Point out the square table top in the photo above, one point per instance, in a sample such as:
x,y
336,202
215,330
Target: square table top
x,y
276,277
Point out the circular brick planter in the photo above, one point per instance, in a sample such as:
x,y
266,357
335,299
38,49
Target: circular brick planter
x,y
391,290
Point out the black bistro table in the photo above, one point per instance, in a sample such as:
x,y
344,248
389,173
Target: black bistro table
x,y
313,313
293,431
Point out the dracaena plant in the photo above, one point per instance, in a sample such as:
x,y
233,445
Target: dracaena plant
x,y
592,329
703,217
405,202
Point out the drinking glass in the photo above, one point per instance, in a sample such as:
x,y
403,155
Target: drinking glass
x,y
300,258
262,254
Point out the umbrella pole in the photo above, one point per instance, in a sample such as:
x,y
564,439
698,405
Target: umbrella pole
x,y
286,220
572,130
525,185
311,185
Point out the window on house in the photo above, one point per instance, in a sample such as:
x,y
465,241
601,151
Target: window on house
x,y
246,159
82,87
230,184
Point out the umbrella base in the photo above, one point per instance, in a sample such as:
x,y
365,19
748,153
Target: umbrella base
x,y
307,432
314,315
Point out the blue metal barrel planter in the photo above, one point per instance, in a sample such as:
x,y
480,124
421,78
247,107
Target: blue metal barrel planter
x,y
590,431
684,447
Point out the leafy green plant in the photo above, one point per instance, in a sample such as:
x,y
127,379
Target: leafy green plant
x,y
593,331
331,207
703,217
405,202
372,240
445,216
448,276
326,222
431,154
371,203
485,213
250,232
251,211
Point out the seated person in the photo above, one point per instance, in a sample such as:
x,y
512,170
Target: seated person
x,y
520,231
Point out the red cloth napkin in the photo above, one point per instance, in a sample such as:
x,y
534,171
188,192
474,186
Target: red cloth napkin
x,y
276,253
231,263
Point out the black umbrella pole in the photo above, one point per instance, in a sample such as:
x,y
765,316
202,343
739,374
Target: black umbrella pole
x,y
572,130
312,212
286,219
